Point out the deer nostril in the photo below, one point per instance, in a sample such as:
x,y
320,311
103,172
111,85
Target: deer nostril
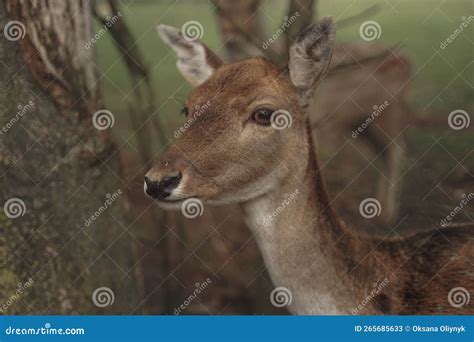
x,y
171,182
163,188
152,188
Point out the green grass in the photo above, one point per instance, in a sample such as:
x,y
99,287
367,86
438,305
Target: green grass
x,y
442,80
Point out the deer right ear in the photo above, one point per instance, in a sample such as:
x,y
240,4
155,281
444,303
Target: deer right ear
x,y
196,62
310,56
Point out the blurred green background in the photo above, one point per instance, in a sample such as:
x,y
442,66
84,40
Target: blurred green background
x,y
442,79
439,163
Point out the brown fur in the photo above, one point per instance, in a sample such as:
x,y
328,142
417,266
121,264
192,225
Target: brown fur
x,y
225,157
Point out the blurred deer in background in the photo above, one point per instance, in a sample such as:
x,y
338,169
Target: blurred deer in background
x,y
252,145
367,103
363,99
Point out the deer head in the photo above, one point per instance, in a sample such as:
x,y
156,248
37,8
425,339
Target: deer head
x,y
247,128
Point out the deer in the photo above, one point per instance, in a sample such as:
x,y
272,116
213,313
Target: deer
x,y
363,98
367,105
234,152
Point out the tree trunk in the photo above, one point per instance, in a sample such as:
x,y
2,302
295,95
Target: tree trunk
x,y
244,34
58,168
241,27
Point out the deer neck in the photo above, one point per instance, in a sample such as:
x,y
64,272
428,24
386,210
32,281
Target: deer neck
x,y
296,231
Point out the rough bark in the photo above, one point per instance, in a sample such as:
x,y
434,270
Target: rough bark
x,y
62,167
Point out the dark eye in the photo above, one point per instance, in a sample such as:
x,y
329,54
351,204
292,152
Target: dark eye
x,y
262,116
184,111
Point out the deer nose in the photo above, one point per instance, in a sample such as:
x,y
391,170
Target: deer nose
x,y
160,189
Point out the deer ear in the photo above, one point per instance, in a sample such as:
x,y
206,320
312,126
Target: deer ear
x,y
310,56
196,62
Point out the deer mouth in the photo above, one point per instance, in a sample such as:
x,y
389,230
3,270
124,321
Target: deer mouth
x,y
169,200
176,203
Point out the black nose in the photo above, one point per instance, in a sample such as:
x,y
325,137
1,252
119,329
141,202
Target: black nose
x,y
162,188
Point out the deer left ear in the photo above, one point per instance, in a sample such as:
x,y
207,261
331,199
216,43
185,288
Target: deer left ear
x,y
310,56
196,62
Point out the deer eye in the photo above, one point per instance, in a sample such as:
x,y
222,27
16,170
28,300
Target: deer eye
x,y
262,116
184,111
